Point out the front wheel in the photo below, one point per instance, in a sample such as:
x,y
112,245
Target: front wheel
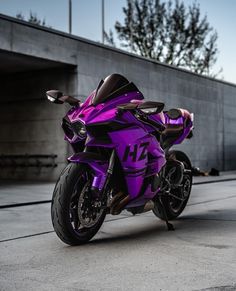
x,y
76,214
176,202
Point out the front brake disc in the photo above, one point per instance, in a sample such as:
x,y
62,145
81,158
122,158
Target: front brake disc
x,y
89,211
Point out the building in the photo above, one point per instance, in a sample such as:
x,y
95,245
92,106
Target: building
x,y
34,59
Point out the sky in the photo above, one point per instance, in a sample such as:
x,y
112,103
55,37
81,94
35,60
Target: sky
x,y
86,16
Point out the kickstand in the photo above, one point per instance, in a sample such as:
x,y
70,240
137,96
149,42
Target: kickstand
x,y
169,225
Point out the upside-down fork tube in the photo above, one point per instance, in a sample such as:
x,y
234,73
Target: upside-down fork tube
x,y
98,165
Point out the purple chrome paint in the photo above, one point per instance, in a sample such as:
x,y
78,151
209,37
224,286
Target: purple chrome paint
x,y
139,152
99,168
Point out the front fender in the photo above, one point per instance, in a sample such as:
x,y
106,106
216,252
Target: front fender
x,y
96,163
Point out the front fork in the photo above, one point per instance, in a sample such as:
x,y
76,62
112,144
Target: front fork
x,y
102,169
101,180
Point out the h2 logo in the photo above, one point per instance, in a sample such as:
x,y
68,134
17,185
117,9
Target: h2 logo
x,y
137,152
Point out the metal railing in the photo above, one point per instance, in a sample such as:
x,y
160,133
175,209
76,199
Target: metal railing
x,y
27,160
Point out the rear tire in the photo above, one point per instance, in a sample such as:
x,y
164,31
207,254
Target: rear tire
x,y
168,201
67,192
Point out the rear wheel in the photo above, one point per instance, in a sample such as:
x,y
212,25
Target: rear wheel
x,y
76,214
176,202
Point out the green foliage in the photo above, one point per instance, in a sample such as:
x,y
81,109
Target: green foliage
x,y
168,32
33,18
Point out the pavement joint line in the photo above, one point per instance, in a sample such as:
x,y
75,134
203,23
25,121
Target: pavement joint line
x,y
49,201
181,218
213,219
214,181
26,236
51,231
25,204
212,200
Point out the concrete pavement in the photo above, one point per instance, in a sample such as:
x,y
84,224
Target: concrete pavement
x,y
15,192
129,253
224,176
21,192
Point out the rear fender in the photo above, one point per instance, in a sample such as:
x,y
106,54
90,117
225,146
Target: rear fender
x,y
98,165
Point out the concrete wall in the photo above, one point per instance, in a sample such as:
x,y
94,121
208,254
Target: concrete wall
x,y
30,124
229,127
213,102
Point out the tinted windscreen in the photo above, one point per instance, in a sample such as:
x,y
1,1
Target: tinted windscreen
x,y
108,88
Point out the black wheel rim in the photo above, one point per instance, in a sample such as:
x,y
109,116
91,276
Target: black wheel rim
x,y
178,196
82,208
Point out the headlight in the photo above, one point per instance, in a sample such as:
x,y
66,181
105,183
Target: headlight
x,y
79,129
66,125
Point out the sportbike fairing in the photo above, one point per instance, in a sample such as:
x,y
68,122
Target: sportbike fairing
x,y
122,160
98,123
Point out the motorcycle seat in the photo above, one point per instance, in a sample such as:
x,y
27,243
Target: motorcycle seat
x,y
173,130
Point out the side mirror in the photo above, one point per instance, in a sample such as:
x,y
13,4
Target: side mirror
x,y
54,96
57,97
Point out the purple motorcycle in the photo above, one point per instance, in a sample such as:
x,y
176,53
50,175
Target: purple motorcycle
x,y
121,161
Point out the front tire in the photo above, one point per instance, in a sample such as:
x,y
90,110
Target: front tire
x,y
75,216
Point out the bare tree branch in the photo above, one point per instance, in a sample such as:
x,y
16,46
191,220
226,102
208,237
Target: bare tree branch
x,y
169,32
